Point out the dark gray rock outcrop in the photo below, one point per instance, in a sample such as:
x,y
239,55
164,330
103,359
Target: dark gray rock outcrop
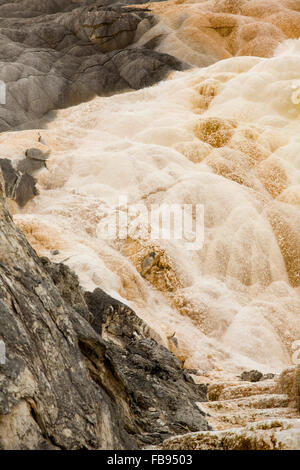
x,y
34,160
20,186
20,183
251,376
57,54
63,385
161,395
255,376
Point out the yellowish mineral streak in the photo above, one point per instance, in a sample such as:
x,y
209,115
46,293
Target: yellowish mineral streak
x,y
202,32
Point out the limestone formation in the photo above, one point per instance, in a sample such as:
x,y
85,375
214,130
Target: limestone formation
x,y
81,370
205,32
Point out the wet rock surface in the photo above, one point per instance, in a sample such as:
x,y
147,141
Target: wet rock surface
x,y
63,386
57,54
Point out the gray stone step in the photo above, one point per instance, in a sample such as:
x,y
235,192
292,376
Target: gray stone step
x,y
239,418
264,435
240,390
253,401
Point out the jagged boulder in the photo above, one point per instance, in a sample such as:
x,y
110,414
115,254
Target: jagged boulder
x,y
251,376
19,185
34,160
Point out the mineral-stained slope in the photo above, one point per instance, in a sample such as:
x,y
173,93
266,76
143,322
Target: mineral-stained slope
x,y
62,385
205,31
82,370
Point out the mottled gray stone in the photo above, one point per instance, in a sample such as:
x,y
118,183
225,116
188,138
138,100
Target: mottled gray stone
x,y
251,376
19,186
34,160
58,54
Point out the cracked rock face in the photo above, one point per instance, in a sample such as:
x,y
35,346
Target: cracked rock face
x,y
45,386
63,385
57,54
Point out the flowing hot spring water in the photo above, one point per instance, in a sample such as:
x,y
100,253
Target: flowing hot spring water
x,y
225,136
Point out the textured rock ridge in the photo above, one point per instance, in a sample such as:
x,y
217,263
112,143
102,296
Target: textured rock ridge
x,y
65,387
57,54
